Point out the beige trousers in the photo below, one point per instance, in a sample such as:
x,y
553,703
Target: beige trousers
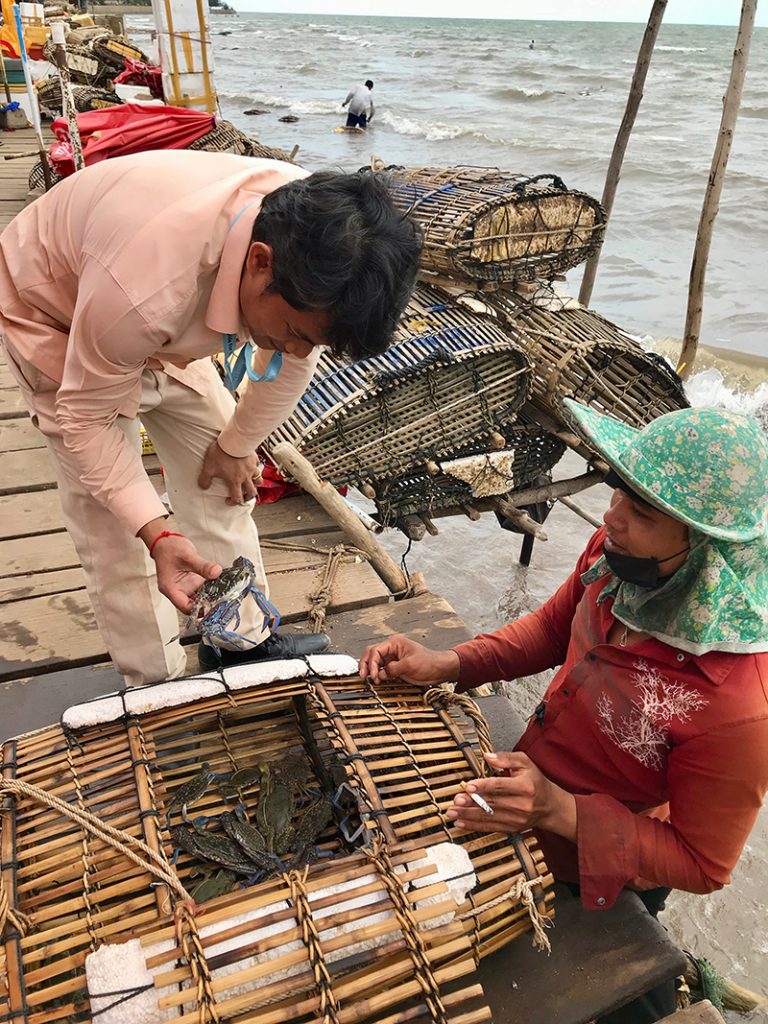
x,y
137,623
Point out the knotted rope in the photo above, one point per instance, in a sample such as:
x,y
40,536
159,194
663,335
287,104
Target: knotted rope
x,y
321,598
521,891
192,948
311,938
379,856
116,838
437,697
19,921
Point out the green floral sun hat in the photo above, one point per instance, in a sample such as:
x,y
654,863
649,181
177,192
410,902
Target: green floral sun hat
x,y
705,467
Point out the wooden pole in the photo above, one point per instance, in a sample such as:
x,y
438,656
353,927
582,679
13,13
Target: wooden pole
x,y
582,513
294,465
714,188
622,138
67,99
32,95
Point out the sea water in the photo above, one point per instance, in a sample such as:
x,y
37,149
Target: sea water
x,y
474,92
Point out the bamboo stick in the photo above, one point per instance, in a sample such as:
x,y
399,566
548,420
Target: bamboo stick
x,y
622,138
714,188
582,513
295,465
521,519
556,490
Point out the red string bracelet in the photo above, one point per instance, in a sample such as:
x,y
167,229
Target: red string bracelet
x,y
165,533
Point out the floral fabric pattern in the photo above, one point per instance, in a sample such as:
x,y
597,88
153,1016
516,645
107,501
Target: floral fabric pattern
x,y
716,601
643,733
706,467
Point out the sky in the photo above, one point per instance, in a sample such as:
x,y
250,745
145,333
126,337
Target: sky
x,y
681,12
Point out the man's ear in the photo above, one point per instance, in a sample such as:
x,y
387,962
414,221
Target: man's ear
x,y
258,263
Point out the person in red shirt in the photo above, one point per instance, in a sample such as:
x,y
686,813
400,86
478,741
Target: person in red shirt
x,y
646,763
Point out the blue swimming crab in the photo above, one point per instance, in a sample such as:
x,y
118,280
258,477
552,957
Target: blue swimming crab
x,y
217,604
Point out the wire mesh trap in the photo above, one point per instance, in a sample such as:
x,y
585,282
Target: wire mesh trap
x,y
474,472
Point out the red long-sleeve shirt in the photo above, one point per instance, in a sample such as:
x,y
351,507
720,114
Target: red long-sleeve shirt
x,y
638,734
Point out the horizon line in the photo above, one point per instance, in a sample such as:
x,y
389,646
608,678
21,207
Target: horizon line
x,y
491,17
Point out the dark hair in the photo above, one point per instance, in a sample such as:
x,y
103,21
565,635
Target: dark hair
x,y
369,84
339,244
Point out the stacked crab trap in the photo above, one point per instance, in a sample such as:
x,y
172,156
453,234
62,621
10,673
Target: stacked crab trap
x,y
451,384
490,225
263,845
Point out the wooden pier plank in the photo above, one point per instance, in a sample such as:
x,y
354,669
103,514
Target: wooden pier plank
x,y
33,469
11,403
19,434
41,633
29,513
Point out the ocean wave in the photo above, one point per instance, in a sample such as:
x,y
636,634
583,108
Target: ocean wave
x,y
298,106
759,112
661,138
524,94
708,388
330,32
680,49
435,131
315,106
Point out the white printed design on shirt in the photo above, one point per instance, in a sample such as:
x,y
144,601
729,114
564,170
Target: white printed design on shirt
x,y
643,733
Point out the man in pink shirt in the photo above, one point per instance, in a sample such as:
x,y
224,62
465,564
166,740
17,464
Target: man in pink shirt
x,y
646,763
115,289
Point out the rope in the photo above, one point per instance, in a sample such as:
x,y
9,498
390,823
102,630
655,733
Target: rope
x,y
192,948
414,760
321,598
521,891
8,915
84,855
438,697
116,838
311,939
403,912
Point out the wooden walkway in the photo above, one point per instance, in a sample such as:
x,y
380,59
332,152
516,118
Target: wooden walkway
x,y
47,627
52,656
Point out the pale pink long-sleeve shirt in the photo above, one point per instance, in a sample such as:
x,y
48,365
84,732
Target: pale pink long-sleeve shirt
x,y
131,260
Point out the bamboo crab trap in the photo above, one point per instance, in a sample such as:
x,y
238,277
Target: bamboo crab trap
x,y
576,353
451,375
225,138
492,225
380,918
472,473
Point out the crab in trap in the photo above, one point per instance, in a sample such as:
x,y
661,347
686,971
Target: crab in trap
x,y
216,607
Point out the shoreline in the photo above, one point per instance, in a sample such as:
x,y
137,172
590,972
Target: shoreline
x,y
122,9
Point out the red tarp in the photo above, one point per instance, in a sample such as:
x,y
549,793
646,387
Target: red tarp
x,y
130,128
138,73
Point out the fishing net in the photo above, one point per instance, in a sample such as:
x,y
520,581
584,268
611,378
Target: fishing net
x,y
471,476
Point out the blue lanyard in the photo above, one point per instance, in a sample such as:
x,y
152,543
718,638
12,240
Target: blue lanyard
x,y
234,372
243,364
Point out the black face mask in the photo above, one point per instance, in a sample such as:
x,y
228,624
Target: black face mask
x,y
643,572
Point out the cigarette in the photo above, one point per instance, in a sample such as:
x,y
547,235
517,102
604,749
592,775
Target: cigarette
x,y
482,804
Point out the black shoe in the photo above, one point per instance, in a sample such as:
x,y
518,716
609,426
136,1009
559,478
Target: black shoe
x,y
279,645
